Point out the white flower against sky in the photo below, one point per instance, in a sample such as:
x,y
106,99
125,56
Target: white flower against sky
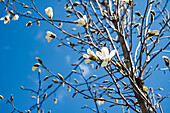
x,y
49,12
82,21
90,56
15,17
105,56
100,102
6,18
50,36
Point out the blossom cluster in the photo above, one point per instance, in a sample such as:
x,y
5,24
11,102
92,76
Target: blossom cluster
x,y
6,18
104,55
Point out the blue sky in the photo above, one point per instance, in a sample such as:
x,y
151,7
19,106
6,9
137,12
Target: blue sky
x,y
20,45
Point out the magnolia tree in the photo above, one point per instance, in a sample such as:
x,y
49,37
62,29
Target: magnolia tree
x,y
111,36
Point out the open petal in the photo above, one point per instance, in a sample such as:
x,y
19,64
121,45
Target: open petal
x,y
6,21
81,22
15,17
100,102
99,54
85,56
89,51
85,18
49,33
49,12
112,53
104,63
105,52
87,61
93,54
3,18
48,38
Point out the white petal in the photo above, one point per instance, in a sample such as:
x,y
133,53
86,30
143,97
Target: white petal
x,y
48,38
81,22
49,12
15,17
6,21
92,53
2,18
112,53
85,56
105,52
85,18
89,51
104,63
87,61
49,33
99,102
99,54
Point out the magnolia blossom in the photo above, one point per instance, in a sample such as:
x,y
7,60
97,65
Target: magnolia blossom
x,y
82,21
15,17
91,56
105,56
6,18
49,12
50,36
100,102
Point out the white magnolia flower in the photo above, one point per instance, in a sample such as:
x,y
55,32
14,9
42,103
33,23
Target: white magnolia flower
x,y
100,102
105,56
15,17
6,18
82,21
91,56
50,36
49,12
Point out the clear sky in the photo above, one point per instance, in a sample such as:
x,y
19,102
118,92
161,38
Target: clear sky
x,y
20,45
